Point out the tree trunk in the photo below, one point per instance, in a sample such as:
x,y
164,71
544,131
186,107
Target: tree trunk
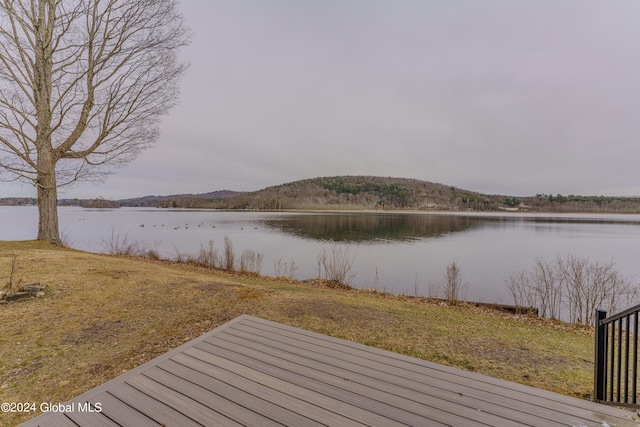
x,y
47,198
43,72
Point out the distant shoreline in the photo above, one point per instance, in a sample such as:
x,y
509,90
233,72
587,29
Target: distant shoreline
x,y
505,213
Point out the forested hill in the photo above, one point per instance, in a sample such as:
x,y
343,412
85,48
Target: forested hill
x,y
370,192
338,192
361,192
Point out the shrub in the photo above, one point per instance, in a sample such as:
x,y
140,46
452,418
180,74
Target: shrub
x,y
208,256
122,244
229,257
283,268
336,264
454,285
250,261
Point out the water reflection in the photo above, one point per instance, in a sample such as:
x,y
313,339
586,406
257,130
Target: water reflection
x,y
372,228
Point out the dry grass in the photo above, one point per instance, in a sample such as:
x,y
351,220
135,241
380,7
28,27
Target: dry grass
x,y
104,315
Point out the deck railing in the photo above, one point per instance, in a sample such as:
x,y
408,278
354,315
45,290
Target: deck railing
x,y
616,358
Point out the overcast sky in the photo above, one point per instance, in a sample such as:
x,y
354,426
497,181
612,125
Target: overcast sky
x,y
507,97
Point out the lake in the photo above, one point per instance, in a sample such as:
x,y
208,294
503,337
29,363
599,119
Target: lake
x,y
397,252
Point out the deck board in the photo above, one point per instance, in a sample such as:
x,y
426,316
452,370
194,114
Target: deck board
x,y
61,421
414,383
149,406
347,386
407,394
123,414
216,402
338,388
331,406
219,381
93,419
254,372
411,368
192,409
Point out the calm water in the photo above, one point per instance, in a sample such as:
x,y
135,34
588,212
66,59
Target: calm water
x,y
395,252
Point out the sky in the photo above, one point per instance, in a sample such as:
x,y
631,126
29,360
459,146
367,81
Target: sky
x,y
512,97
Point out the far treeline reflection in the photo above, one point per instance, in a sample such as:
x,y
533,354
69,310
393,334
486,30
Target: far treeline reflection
x,y
403,227
359,228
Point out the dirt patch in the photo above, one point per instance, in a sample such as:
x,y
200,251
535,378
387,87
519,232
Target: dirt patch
x,y
512,355
96,332
20,373
98,368
211,287
114,274
335,311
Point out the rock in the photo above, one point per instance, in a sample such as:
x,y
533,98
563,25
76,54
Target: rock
x,y
33,288
24,291
17,296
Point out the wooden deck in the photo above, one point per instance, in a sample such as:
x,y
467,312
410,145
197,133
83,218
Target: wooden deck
x,y
252,372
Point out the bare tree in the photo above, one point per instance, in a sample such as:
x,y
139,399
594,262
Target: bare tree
x,y
519,285
576,284
592,285
547,286
575,271
83,84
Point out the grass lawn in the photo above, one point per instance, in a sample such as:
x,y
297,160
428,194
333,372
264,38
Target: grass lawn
x,y
103,315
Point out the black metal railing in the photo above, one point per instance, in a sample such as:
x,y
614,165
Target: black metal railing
x,y
616,358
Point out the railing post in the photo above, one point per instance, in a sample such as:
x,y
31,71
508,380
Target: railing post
x,y
600,356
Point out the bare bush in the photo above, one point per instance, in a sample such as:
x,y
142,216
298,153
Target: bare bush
x,y
283,268
119,243
435,288
181,256
152,254
65,238
229,257
11,283
454,285
12,274
208,256
251,261
336,264
376,280
279,266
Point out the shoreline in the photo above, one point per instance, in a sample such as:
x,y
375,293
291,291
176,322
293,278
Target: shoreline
x,y
497,212
501,213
